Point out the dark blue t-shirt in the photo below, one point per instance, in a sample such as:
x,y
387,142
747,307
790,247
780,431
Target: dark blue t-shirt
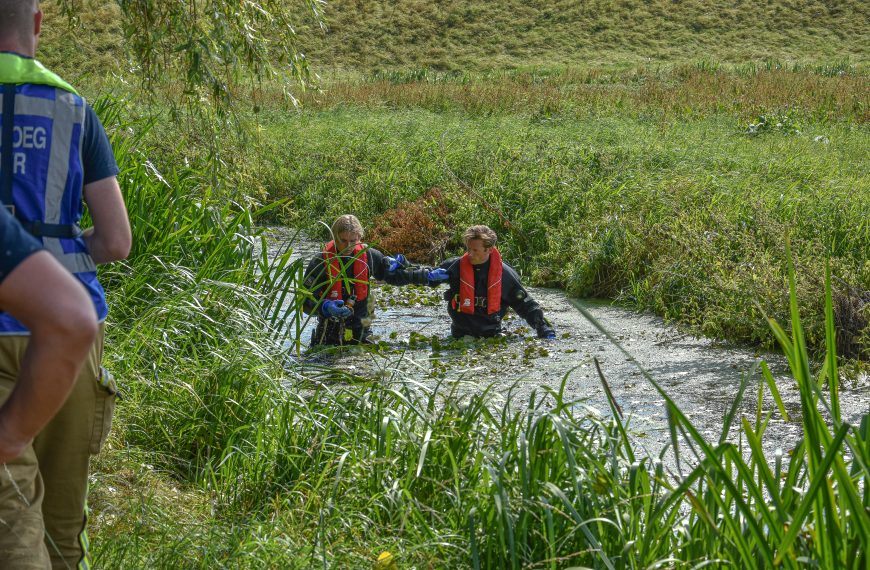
x,y
98,160
15,243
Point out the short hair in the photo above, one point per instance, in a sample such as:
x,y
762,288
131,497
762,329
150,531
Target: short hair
x,y
16,17
347,223
483,233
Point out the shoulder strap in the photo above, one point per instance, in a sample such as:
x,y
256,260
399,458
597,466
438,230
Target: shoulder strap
x,y
6,144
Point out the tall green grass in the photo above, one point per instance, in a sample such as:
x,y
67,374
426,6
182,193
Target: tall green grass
x,y
667,188
681,216
226,455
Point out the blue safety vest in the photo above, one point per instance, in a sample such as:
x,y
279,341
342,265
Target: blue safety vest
x,y
41,179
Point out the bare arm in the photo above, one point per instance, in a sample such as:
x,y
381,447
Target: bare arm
x,y
62,322
110,238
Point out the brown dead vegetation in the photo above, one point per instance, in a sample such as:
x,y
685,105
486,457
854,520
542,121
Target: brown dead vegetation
x,y
419,229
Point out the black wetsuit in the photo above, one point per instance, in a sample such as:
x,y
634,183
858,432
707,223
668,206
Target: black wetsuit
x,y
481,324
317,285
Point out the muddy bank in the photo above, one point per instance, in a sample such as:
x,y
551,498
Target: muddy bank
x,y
703,377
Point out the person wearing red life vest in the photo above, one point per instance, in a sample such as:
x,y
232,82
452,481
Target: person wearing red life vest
x,y
482,287
337,284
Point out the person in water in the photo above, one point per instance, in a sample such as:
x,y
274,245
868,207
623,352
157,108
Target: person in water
x,y
481,288
337,284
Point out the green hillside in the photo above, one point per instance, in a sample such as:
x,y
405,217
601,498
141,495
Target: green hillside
x,y
455,34
373,34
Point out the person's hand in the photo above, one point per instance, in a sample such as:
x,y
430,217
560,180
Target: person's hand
x,y
335,309
547,334
437,275
394,263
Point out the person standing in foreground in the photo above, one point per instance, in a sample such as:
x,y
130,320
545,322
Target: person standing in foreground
x,y
338,284
63,325
56,153
481,288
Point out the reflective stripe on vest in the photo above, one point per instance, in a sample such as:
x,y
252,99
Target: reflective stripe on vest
x,y
65,112
47,169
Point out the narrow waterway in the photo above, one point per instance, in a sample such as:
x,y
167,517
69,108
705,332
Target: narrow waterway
x,y
702,377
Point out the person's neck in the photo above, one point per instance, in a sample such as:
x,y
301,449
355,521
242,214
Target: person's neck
x,y
16,50
18,47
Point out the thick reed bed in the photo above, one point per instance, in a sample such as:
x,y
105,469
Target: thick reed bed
x,y
684,216
823,92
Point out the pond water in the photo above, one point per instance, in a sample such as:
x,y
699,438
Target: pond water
x,y
701,376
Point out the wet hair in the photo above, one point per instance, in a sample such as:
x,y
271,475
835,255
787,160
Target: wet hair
x,y
483,233
346,223
16,17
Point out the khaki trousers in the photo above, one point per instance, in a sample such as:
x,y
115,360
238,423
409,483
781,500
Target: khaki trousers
x,y
43,493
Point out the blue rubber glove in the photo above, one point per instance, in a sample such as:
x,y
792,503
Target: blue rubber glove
x,y
394,263
437,275
335,309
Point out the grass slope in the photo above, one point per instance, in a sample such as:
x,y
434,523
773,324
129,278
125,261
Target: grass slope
x,y
515,33
379,34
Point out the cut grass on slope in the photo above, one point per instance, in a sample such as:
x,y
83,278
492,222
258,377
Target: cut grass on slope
x,y
485,35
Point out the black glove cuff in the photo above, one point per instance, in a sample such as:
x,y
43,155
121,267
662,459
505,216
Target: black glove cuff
x,y
543,331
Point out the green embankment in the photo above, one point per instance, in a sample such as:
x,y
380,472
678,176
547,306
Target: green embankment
x,y
518,33
482,35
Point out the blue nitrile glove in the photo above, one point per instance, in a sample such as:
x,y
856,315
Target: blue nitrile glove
x,y
437,275
335,309
394,263
546,334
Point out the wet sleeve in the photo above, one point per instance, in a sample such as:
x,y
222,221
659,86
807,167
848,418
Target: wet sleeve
x,y
415,275
98,159
521,301
16,244
377,264
313,284
408,276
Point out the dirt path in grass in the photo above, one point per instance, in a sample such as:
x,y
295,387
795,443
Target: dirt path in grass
x,y
702,377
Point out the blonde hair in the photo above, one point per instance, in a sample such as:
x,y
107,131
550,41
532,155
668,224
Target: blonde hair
x,y
483,233
347,223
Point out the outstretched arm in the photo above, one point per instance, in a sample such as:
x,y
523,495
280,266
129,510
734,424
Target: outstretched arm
x,y
60,316
402,274
526,307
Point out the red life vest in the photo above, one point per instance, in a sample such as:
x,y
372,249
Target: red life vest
x,y
466,284
360,271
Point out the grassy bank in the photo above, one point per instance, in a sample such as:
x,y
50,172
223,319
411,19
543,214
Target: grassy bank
x,y
513,34
516,34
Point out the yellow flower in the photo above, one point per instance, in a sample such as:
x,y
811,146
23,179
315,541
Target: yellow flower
x,y
386,562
